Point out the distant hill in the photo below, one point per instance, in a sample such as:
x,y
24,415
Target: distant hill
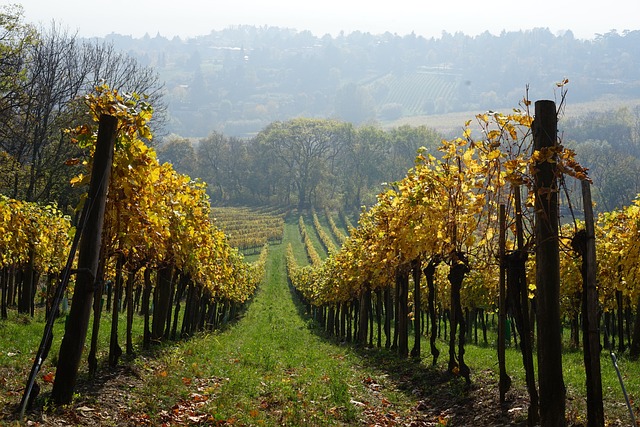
x,y
238,80
451,124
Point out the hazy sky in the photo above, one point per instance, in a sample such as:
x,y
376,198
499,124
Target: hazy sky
x,y
188,18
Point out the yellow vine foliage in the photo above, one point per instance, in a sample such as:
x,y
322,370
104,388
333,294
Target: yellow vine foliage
x,y
156,216
446,204
27,226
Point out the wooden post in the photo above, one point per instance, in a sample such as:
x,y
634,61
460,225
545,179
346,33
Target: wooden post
x,y
522,316
550,379
89,254
591,335
505,381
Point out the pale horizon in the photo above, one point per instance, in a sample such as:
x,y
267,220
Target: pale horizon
x,y
191,18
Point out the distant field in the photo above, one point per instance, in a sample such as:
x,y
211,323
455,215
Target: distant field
x,y
452,123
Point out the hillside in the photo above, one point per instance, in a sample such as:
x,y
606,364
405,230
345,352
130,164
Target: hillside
x,y
450,124
238,80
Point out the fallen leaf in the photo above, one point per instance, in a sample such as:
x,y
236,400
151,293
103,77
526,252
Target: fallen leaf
x,y
48,377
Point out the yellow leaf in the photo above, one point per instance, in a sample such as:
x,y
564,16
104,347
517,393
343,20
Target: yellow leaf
x,y
77,179
494,154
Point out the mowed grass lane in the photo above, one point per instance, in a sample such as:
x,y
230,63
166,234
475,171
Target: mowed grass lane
x,y
269,368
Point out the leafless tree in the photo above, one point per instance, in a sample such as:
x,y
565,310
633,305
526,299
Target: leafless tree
x,y
56,69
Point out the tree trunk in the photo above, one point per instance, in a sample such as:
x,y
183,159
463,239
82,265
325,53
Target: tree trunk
x,y
130,310
379,315
146,310
355,305
25,302
115,351
635,342
343,321
457,271
620,323
370,310
348,320
484,318
161,299
108,286
330,324
518,265
429,273
182,285
92,359
402,284
188,310
11,286
517,285
388,314
396,314
199,304
172,292
586,247
363,316
504,383
4,283
417,307
607,334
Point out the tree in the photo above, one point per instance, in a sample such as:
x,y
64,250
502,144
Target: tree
x,y
404,142
15,38
54,79
354,104
615,174
361,166
224,164
55,70
180,153
306,150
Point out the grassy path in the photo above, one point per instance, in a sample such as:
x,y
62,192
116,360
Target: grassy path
x,y
270,368
274,367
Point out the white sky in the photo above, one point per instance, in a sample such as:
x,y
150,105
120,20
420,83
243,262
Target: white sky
x,y
188,18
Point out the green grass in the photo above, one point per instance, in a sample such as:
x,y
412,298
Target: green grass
x,y
270,368
313,235
482,358
20,338
292,235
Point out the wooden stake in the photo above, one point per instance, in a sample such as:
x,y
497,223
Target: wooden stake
x,y
591,335
550,378
89,254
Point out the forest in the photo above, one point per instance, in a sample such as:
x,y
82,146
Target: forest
x,y
204,249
